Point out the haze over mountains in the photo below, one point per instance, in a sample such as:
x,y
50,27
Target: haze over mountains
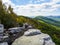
x,y
54,17
54,20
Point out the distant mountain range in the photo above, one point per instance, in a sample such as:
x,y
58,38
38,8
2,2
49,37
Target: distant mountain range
x,y
54,20
54,17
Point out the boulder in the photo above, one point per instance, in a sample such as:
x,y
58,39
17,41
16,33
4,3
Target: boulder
x,y
34,39
31,32
15,29
29,27
4,43
1,28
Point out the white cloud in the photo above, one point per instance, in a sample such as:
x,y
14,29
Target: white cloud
x,y
34,9
8,2
55,1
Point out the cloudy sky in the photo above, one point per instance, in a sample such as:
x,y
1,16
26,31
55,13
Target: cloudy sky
x,y
34,7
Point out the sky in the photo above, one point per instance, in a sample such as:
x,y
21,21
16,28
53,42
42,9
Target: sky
x,y
34,7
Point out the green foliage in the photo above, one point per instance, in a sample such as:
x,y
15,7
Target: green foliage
x,y
6,18
23,19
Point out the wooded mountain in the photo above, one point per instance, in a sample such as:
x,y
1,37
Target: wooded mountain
x,y
57,18
49,20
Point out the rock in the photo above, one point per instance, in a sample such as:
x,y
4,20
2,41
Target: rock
x,y
29,27
31,32
1,28
34,39
15,29
4,43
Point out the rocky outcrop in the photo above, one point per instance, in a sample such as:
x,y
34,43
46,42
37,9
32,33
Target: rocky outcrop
x,y
34,37
26,36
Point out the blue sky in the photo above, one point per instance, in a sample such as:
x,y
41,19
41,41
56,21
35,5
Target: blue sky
x,y
25,2
34,7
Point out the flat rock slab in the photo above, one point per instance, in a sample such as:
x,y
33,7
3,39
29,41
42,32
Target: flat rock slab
x,y
39,39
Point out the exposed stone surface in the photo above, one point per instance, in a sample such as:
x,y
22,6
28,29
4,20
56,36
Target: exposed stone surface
x,y
4,43
1,28
34,39
30,36
31,32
